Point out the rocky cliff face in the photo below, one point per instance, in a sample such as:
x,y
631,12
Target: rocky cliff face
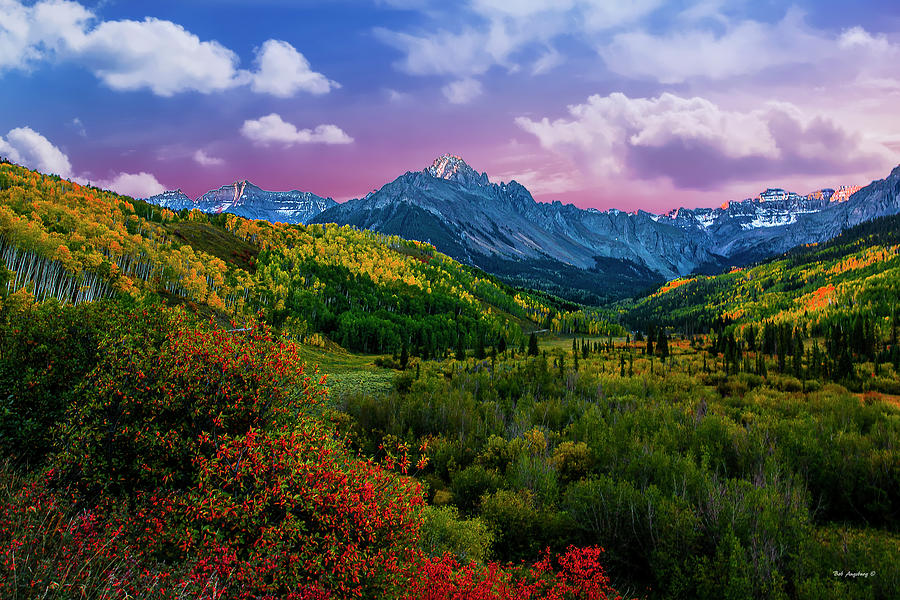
x,y
246,200
499,225
502,229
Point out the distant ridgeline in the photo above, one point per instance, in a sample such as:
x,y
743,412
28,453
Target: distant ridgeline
x,y
364,290
856,273
844,293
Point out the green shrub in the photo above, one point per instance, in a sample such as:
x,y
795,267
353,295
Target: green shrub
x,y
443,531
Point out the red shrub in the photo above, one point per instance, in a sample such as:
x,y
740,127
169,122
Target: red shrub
x,y
144,411
272,513
580,576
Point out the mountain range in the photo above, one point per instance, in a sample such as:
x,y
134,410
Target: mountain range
x,y
246,200
584,254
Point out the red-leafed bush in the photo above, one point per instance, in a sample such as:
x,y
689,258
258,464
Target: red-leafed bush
x,y
47,550
193,464
578,575
144,411
272,513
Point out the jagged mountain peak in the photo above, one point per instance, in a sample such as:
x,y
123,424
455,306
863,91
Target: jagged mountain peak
x,y
454,168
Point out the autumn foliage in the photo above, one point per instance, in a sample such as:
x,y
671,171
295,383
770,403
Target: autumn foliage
x,y
193,461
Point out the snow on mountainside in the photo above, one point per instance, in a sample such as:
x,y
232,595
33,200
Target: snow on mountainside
x,y
246,200
502,229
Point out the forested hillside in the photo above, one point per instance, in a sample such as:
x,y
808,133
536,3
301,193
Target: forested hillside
x,y
854,274
164,426
365,291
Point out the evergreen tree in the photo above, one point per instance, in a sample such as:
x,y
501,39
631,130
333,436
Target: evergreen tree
x,y
750,337
662,344
460,348
844,367
479,349
404,356
798,354
532,345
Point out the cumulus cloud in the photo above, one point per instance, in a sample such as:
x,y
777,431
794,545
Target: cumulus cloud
x,y
157,55
697,144
282,72
152,54
203,159
136,185
462,91
272,129
29,148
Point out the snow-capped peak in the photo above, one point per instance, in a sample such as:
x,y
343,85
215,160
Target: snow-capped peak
x,y
454,168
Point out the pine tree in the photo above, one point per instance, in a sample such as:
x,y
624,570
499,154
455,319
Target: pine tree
x,y
479,349
460,348
662,344
532,345
797,362
404,356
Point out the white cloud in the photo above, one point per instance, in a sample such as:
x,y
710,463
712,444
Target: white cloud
x,y
742,48
469,52
282,72
157,55
397,96
273,129
698,144
136,185
29,148
79,127
152,54
543,182
462,91
499,30
549,60
202,158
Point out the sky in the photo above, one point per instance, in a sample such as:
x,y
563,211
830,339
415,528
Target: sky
x,y
646,104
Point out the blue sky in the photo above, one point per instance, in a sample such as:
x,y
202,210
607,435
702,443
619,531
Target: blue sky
x,y
646,104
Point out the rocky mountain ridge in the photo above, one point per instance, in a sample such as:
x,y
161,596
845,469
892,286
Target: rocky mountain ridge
x,y
246,200
501,228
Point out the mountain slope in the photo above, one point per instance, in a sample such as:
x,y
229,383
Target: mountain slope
x,y
246,200
857,272
605,254
365,290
